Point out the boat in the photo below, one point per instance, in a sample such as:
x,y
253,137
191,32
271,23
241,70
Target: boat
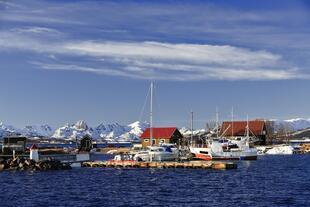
x,y
219,149
163,152
233,150
157,153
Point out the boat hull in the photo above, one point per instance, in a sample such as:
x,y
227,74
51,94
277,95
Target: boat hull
x,y
202,157
208,154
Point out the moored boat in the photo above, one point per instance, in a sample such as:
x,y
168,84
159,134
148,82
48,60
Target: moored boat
x,y
157,153
220,149
215,150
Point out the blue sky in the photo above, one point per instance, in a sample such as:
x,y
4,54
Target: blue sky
x,y
62,61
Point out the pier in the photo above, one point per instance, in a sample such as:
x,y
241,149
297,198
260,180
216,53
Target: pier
x,y
189,165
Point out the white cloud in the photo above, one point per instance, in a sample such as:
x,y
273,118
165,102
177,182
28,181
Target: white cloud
x,y
154,60
36,30
187,53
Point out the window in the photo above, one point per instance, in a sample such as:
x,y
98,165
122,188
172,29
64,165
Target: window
x,y
203,152
146,140
162,141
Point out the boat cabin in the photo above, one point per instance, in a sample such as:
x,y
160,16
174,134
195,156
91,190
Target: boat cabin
x,y
164,135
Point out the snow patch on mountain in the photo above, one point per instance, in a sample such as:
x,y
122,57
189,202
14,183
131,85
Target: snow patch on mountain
x,y
8,130
73,131
37,131
187,132
293,124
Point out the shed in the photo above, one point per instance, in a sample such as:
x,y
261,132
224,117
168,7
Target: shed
x,y
14,143
257,128
168,135
85,144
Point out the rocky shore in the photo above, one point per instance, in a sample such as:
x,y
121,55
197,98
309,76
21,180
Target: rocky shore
x,y
22,164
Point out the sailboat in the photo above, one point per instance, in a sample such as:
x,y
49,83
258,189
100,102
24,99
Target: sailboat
x,y
218,149
162,152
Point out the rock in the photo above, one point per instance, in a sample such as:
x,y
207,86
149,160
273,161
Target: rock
x,y
28,164
2,161
2,167
20,165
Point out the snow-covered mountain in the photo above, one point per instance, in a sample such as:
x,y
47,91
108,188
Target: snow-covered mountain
x,y
37,131
107,132
8,130
293,124
116,131
187,132
135,130
72,131
111,131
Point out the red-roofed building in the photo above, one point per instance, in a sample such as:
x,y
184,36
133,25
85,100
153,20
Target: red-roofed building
x,y
238,128
161,135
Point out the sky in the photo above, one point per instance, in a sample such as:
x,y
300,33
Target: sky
x,y
64,60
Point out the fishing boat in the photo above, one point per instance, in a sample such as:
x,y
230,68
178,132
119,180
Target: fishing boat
x,y
232,150
221,149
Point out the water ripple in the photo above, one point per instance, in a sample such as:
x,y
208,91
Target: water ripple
x,y
269,181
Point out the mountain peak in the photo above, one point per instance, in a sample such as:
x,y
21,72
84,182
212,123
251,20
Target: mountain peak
x,y
81,125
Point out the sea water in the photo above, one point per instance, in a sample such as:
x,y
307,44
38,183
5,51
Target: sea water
x,y
269,181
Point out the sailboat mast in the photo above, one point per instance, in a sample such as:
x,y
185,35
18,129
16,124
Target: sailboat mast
x,y
232,121
192,126
247,127
151,114
217,123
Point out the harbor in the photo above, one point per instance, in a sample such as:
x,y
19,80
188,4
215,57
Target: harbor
x,y
145,103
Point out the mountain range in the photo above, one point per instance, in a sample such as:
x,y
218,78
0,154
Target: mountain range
x,y
103,132
115,131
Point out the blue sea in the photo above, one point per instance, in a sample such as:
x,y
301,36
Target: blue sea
x,y
269,181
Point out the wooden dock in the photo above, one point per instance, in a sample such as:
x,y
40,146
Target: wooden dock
x,y
190,165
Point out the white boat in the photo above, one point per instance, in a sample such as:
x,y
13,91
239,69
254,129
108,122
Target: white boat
x,y
157,153
215,150
238,149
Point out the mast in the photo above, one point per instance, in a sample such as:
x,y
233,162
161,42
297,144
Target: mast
x,y
247,127
232,122
247,131
151,114
192,120
217,123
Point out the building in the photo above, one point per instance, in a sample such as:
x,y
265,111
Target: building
x,y
169,135
17,144
85,144
257,129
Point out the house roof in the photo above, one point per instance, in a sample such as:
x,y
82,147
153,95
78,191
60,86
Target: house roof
x,y
239,128
166,132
